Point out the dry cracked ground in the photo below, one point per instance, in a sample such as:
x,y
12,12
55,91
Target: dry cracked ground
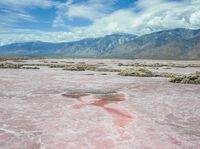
x,y
50,108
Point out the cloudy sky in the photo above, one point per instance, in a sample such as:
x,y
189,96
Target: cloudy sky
x,y
68,20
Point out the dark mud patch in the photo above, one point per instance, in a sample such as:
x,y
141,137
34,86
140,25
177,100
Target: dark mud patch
x,y
88,74
90,91
75,96
104,74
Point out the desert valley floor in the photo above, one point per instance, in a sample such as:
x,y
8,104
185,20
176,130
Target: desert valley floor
x,y
50,108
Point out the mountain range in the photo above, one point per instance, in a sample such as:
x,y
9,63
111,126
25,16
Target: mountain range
x,y
167,44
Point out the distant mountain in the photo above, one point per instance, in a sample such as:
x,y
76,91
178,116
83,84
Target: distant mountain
x,y
91,47
168,44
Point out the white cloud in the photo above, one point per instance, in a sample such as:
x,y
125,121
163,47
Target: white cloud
x,y
152,16
10,17
155,15
27,3
89,9
195,19
13,12
83,11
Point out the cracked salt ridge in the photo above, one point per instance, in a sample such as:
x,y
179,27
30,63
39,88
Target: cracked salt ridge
x,y
10,132
120,118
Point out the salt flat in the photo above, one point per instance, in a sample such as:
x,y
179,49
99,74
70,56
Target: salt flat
x,y
55,109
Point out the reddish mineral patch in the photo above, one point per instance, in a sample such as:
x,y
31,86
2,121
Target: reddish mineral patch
x,y
118,113
104,144
121,118
175,141
79,106
106,99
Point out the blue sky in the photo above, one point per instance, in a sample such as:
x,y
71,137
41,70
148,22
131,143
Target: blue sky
x,y
68,20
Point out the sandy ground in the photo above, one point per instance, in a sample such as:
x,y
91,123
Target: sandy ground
x,y
56,109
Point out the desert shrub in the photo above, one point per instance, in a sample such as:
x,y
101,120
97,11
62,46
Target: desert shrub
x,y
120,64
165,74
187,79
30,67
47,65
87,67
142,72
138,72
18,61
56,66
37,64
15,66
79,67
106,69
10,65
160,65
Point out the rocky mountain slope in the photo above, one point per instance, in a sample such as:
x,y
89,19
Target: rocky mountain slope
x,y
168,44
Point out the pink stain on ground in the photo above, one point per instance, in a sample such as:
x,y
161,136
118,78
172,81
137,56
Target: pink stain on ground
x,y
33,114
120,118
107,99
105,144
79,106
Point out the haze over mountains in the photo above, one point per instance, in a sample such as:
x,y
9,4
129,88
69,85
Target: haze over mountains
x,y
168,44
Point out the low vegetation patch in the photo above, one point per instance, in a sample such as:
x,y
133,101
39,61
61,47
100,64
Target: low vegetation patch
x,y
10,65
30,68
106,69
87,67
175,78
187,79
167,65
18,58
142,72
165,74
138,72
56,66
79,67
15,66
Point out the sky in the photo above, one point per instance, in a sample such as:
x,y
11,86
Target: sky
x,y
70,20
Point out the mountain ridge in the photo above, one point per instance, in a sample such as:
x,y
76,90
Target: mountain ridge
x,y
168,44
